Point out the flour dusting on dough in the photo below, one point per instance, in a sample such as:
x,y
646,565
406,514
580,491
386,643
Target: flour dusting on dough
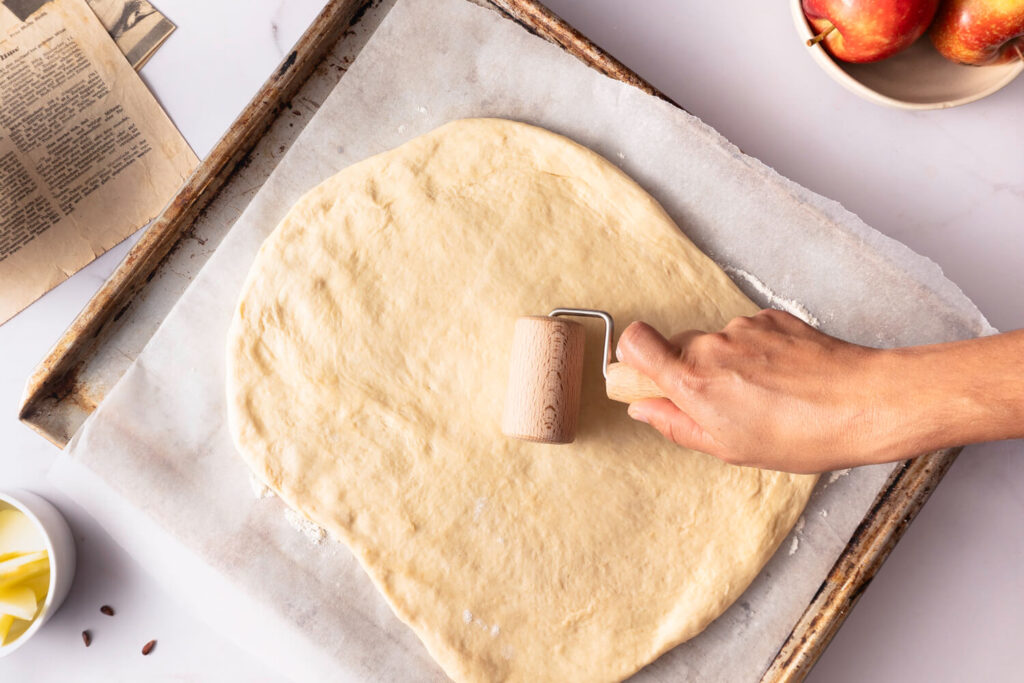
x,y
794,545
478,508
789,305
314,532
494,629
799,528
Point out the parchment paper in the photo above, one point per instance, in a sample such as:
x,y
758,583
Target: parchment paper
x,y
155,462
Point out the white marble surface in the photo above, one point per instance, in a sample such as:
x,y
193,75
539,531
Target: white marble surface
x,y
948,605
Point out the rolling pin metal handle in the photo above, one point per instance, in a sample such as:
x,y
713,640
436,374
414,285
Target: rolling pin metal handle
x,y
623,383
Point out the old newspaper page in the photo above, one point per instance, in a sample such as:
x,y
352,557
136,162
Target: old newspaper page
x,y
87,156
136,26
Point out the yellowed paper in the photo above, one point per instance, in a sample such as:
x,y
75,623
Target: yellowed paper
x,y
87,156
136,26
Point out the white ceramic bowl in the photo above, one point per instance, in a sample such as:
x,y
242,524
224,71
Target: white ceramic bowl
x,y
61,547
917,78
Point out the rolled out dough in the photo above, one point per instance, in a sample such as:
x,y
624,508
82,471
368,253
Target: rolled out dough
x,y
367,366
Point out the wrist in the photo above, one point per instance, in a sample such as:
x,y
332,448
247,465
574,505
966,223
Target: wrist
x,y
909,412
955,393
933,404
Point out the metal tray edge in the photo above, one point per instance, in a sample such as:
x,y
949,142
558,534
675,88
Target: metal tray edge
x,y
905,492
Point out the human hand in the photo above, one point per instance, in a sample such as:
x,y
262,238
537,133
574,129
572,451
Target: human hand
x,y
770,391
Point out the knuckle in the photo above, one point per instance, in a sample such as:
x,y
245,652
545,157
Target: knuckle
x,y
741,322
770,315
781,318
715,341
708,348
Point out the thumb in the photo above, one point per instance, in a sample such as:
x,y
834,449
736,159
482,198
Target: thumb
x,y
673,423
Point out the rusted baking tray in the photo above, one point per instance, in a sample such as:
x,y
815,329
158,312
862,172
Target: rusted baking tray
x,y
109,333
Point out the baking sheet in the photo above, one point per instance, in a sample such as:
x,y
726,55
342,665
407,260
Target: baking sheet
x,y
158,444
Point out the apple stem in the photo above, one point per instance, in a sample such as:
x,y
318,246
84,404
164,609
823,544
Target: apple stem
x,y
821,36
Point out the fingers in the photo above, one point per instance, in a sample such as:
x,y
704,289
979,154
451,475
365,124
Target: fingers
x,y
674,424
663,360
644,349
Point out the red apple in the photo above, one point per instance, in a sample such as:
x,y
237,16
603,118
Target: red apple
x,y
980,31
868,30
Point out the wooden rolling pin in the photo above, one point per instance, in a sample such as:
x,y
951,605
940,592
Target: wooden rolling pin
x,y
546,377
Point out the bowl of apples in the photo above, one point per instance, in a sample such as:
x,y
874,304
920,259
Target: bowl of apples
x,y
915,54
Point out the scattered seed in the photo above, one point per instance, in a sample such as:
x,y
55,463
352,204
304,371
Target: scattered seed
x,y
148,647
87,638
108,610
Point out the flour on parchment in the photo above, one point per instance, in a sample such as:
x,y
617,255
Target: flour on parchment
x,y
776,301
314,532
834,477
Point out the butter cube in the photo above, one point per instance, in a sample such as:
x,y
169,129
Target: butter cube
x,y
5,627
19,534
23,567
18,602
40,584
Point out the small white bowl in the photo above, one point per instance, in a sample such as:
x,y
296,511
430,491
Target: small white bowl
x,y
61,548
917,78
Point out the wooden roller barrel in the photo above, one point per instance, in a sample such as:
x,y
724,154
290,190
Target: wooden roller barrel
x,y
546,380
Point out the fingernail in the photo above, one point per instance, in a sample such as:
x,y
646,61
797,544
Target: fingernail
x,y
637,414
618,353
